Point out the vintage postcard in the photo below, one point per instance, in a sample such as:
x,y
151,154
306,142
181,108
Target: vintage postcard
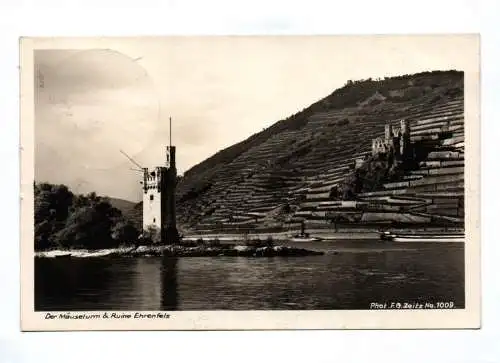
x,y
250,182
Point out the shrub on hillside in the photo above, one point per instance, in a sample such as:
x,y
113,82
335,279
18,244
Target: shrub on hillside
x,y
369,177
343,122
215,242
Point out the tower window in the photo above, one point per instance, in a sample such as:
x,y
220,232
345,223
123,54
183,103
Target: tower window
x,y
151,197
154,220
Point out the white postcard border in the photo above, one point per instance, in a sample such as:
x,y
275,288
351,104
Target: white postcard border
x,y
250,320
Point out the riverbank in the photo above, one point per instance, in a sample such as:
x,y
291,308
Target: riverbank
x,y
183,251
323,234
284,236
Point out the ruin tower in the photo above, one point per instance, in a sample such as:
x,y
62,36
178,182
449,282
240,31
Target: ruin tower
x,y
397,145
388,134
374,147
159,198
404,143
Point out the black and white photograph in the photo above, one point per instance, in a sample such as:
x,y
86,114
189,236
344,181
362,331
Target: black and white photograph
x,y
250,182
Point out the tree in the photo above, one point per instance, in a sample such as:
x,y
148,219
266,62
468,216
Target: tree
x,y
43,233
51,209
287,209
87,227
77,221
124,232
52,197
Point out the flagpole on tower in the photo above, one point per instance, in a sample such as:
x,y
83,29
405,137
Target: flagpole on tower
x,y
170,131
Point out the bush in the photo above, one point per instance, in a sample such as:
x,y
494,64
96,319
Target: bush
x,y
151,235
343,122
189,243
124,232
257,242
369,177
200,242
213,242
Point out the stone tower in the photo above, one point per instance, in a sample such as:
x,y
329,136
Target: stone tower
x,y
388,134
404,142
158,208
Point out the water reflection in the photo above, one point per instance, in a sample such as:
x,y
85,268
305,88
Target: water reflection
x,y
81,284
106,284
146,285
169,293
350,279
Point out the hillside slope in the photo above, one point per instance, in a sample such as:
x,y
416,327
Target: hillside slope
x,y
125,206
131,210
288,172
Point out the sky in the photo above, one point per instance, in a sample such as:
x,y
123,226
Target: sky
x,y
95,97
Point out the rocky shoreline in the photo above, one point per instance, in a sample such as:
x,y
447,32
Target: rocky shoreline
x,y
183,251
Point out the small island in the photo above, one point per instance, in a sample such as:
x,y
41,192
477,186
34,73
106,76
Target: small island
x,y
199,248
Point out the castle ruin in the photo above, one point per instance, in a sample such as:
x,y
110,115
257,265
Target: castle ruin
x,y
395,144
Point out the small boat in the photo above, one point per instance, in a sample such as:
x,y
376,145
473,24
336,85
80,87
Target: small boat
x,y
305,238
422,237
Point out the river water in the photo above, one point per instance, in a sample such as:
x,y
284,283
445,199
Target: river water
x,y
351,275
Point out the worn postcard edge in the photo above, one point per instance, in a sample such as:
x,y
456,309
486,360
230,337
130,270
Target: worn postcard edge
x,y
255,319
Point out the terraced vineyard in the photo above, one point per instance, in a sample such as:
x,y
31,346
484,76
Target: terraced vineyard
x,y
288,174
